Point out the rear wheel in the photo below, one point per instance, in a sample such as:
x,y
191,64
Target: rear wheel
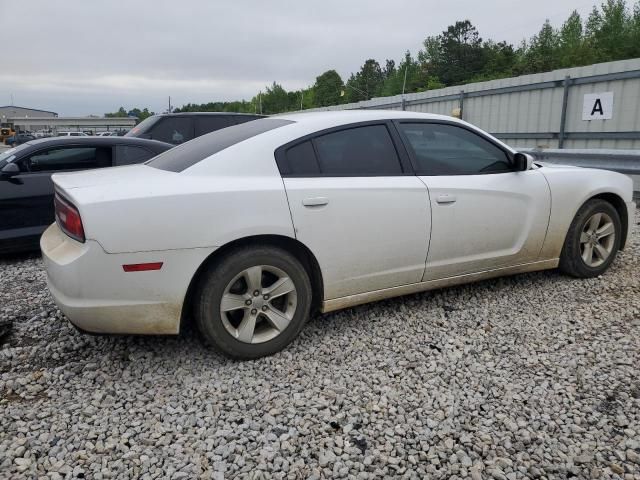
x,y
253,302
592,241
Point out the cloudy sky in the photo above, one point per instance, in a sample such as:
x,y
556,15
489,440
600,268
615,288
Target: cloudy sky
x,y
79,57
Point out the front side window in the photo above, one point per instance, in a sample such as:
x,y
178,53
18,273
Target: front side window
x,y
441,149
74,158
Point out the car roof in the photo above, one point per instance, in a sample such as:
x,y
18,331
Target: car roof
x,y
211,114
156,145
342,117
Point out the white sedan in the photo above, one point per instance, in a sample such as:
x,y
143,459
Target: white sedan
x,y
248,228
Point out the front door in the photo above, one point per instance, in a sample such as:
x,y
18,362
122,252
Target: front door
x,y
485,215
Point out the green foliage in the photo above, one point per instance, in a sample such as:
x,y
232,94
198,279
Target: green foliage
x,y
327,89
458,56
134,112
365,84
121,113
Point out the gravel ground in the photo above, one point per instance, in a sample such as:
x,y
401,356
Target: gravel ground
x,y
533,376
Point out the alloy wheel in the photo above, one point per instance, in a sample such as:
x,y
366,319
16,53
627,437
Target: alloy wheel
x,y
258,304
597,239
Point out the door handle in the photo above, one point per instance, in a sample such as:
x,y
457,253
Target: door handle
x,y
315,201
446,198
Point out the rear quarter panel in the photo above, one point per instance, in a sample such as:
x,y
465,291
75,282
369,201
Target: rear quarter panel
x,y
570,188
187,212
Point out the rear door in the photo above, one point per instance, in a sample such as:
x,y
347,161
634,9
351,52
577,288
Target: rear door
x,y
485,215
356,204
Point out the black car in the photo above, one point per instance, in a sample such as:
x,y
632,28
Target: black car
x,y
178,128
26,189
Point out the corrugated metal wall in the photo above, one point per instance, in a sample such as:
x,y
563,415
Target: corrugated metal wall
x,y
526,111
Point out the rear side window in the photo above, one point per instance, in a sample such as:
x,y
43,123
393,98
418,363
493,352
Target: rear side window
x,y
211,123
184,156
174,130
301,160
441,149
74,158
355,152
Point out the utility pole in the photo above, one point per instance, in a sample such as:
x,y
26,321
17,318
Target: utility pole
x,y
169,103
301,98
404,84
260,101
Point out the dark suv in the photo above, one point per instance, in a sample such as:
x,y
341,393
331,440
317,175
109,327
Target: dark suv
x,y
178,128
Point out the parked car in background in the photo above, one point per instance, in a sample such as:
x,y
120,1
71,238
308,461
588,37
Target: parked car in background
x,y
19,139
178,128
26,190
247,228
72,134
106,134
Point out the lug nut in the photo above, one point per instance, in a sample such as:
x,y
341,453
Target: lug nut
x,y
254,311
266,297
248,302
256,293
264,308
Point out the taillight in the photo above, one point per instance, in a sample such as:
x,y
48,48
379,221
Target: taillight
x,y
68,218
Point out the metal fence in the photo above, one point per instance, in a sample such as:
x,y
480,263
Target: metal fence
x,y
542,110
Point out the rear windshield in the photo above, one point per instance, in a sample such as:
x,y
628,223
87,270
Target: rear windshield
x,y
188,154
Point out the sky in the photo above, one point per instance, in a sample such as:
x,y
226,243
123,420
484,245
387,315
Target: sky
x,y
81,57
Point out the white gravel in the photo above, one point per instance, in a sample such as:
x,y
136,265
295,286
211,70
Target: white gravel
x,y
534,376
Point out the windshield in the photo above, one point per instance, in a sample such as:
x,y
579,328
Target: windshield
x,y
143,126
188,154
8,156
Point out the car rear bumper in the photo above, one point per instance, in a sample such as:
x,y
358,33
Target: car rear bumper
x,y
631,215
92,289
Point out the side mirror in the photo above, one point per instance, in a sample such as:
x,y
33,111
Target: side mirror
x,y
10,170
522,161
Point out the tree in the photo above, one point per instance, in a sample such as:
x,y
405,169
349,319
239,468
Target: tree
x,y
634,32
461,54
121,113
275,100
365,84
573,48
327,89
611,31
389,69
500,60
140,114
542,54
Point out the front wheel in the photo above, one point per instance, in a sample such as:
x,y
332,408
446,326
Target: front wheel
x,y
253,302
592,241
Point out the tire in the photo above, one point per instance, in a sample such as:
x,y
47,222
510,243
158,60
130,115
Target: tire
x,y
582,253
235,278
